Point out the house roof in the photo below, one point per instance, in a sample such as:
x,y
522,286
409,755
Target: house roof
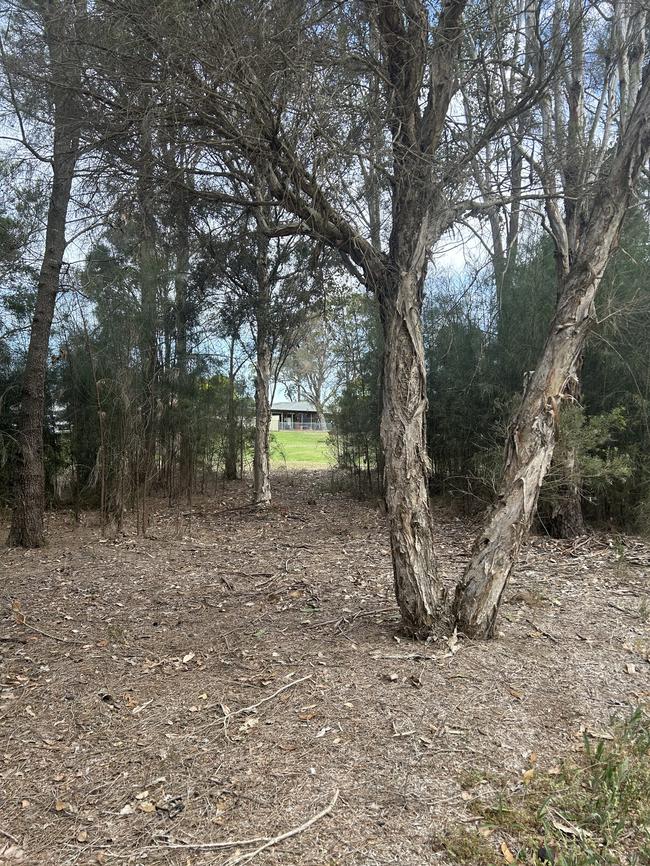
x,y
298,406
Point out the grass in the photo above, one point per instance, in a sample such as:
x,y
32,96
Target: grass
x,y
589,812
300,449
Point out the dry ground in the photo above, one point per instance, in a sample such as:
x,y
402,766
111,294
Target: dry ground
x,y
120,660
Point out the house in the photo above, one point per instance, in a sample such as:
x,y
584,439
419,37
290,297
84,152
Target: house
x,y
299,415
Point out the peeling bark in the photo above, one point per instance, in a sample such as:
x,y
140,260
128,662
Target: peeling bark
x,y
406,463
532,434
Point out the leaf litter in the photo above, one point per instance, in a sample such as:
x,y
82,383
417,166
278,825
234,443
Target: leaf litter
x,y
180,691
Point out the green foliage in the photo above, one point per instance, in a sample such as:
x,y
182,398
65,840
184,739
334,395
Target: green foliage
x,y
478,350
355,438
591,812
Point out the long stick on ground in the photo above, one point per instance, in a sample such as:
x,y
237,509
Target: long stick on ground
x,y
244,858
207,846
252,707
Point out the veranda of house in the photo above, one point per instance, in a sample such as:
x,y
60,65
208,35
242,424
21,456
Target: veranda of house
x,y
298,415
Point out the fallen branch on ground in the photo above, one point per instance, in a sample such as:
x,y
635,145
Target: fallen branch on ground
x,y
244,858
249,709
207,846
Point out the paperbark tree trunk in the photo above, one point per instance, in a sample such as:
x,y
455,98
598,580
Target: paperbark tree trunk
x,y
27,520
531,438
406,463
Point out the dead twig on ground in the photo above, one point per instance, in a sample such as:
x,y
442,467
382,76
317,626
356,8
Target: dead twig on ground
x,y
252,707
163,842
50,635
245,858
354,617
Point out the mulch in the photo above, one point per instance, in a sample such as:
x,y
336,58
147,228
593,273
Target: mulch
x,y
235,676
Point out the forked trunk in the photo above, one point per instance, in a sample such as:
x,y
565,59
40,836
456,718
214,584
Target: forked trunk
x,y
261,469
406,464
532,434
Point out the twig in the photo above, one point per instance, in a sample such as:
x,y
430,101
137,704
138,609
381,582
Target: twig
x,y
354,617
404,657
13,838
541,631
244,858
621,609
207,846
24,623
249,709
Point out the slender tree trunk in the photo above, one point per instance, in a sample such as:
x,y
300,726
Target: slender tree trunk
x,y
148,265
532,434
181,214
406,463
27,521
230,462
261,461
261,468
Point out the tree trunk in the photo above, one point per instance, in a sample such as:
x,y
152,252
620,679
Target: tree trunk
x,y
406,464
27,520
531,438
261,461
261,469
148,267
181,214
230,462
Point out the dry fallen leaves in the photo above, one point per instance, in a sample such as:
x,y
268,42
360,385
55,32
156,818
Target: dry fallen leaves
x,y
11,854
508,856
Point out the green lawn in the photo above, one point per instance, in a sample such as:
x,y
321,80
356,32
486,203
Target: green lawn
x,y
300,449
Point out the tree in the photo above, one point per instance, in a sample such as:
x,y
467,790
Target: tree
x,y
59,24
313,370
264,107
269,289
532,433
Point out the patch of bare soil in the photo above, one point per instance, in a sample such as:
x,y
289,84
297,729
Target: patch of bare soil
x,y
222,679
